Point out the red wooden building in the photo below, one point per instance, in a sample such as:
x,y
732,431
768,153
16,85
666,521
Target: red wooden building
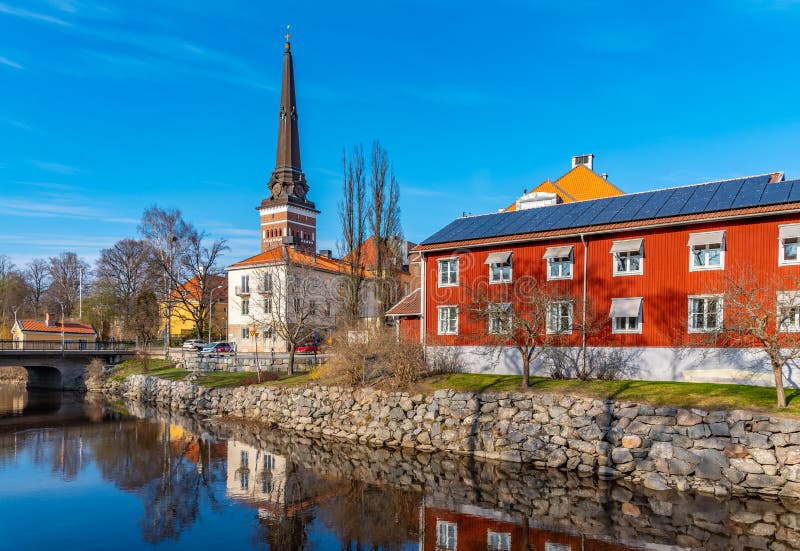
x,y
650,262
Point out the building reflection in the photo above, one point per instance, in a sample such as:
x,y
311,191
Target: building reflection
x,y
468,527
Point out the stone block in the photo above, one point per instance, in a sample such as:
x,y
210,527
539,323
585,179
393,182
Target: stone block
x,y
661,450
763,481
733,450
686,418
763,457
696,432
680,467
556,459
621,455
789,455
747,466
719,429
654,481
631,441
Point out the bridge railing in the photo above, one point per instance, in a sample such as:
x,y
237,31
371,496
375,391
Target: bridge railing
x,y
68,345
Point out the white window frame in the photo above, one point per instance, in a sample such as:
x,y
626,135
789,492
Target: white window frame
x,y
245,283
617,272
571,316
554,546
245,333
440,263
496,312
706,267
720,313
245,307
443,535
498,541
570,260
627,331
782,261
790,302
439,319
501,268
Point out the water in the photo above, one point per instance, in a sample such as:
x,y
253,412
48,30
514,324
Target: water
x,y
78,473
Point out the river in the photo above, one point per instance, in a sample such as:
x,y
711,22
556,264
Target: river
x,y
77,472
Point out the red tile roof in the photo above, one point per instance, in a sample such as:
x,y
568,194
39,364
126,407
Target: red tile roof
x,y
410,305
69,328
192,288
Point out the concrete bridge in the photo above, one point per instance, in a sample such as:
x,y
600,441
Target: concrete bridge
x,y
49,366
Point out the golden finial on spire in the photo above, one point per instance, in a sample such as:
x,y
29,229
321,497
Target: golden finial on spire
x,y
287,38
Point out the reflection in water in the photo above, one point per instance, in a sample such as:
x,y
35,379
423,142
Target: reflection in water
x,y
16,400
208,485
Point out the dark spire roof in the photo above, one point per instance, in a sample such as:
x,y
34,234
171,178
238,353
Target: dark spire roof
x,y
288,183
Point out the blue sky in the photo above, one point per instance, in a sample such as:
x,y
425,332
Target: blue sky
x,y
108,108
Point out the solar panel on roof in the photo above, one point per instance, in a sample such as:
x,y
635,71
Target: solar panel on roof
x,y
775,193
794,195
743,192
749,194
725,194
676,202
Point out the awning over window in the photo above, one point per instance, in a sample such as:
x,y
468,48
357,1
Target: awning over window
x,y
558,252
789,298
627,246
498,258
499,307
789,231
706,238
625,307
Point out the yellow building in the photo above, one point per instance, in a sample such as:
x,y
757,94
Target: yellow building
x,y
28,333
185,304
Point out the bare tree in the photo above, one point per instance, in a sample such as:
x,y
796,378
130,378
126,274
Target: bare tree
x,y
14,295
169,236
749,310
353,219
144,318
67,271
125,271
384,224
199,275
526,315
37,276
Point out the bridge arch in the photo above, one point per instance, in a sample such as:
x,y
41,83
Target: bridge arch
x,y
44,377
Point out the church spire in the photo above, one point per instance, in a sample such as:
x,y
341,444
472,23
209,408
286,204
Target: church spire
x,y
288,180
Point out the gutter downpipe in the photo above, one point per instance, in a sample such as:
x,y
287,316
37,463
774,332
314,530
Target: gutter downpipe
x,y
583,319
423,309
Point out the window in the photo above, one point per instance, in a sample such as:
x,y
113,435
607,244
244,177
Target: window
x,y
448,320
789,238
245,307
627,256
312,307
267,333
626,315
298,304
245,283
448,272
245,333
268,305
498,541
446,535
789,311
499,267
500,318
707,250
553,546
267,283
705,313
559,262
560,318
244,479
269,461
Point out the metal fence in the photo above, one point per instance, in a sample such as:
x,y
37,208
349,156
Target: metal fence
x,y
195,361
67,345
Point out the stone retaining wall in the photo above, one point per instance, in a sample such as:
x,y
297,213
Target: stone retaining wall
x,y
717,452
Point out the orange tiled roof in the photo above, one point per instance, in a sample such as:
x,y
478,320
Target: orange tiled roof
x,y
410,305
579,184
192,287
369,253
70,328
283,254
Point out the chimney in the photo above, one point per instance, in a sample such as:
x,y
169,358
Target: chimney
x,y
585,160
604,175
50,320
327,253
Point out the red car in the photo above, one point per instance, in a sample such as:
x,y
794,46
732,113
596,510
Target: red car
x,y
310,347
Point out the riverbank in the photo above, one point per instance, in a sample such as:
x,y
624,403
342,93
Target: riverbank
x,y
715,452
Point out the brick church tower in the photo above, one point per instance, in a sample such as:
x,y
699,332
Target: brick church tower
x,y
287,216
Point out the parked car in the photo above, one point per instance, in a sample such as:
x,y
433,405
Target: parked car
x,y
219,348
193,344
310,347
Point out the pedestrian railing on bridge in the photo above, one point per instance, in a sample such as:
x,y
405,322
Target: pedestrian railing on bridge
x,y
195,361
69,345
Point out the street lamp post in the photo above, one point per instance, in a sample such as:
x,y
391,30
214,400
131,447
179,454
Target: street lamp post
x,y
62,326
211,309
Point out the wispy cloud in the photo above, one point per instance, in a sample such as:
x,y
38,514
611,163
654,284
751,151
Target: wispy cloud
x,y
58,168
58,209
8,63
23,126
46,185
32,15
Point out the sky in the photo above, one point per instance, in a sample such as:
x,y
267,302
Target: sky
x,y
108,108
